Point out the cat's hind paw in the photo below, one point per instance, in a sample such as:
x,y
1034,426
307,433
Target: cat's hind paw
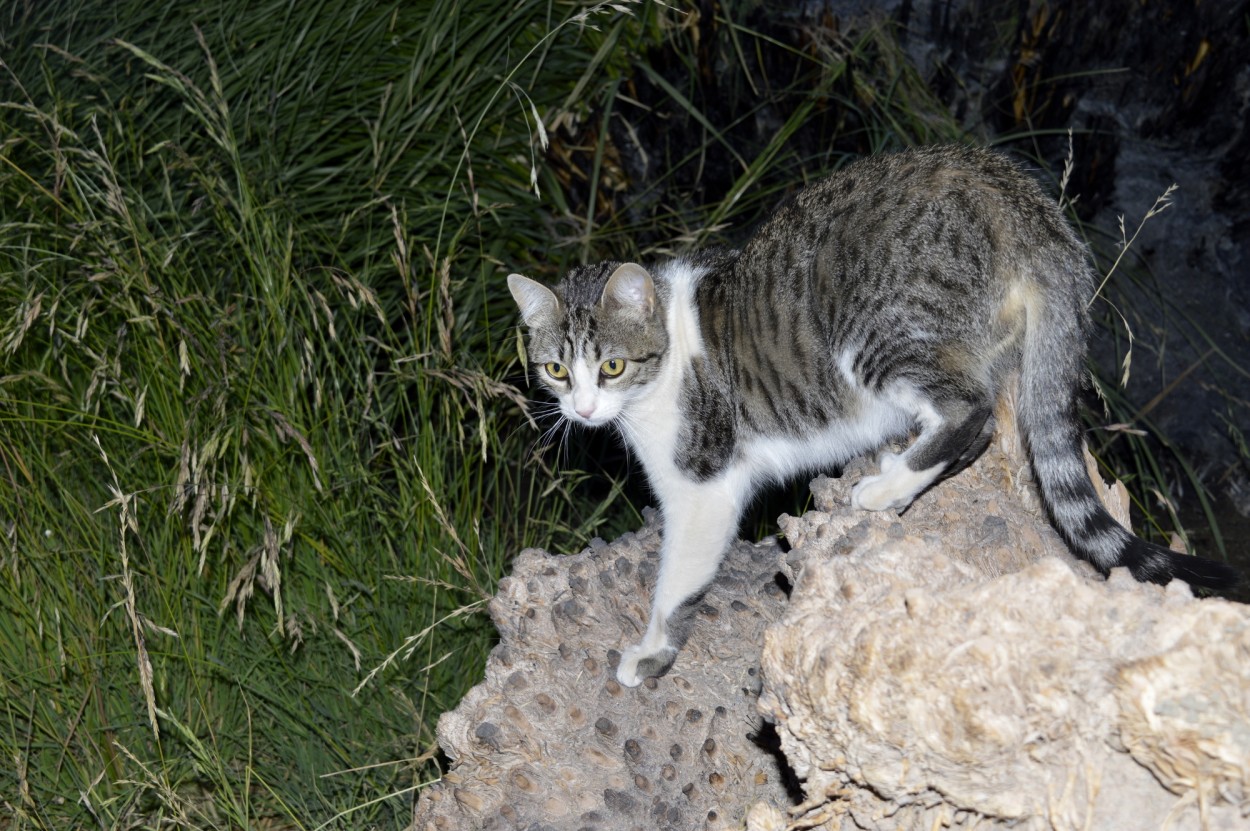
x,y
639,663
896,486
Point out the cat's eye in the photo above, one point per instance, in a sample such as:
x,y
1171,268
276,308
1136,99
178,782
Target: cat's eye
x,y
612,367
557,371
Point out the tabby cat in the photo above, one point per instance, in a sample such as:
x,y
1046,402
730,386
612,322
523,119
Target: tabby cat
x,y
890,299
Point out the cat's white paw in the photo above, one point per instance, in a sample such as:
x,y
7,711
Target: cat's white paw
x,y
894,487
627,670
874,493
879,491
639,663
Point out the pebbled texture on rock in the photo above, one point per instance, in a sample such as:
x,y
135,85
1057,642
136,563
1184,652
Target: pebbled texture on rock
x,y
550,740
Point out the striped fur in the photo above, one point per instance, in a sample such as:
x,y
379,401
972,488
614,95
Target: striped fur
x,y
890,299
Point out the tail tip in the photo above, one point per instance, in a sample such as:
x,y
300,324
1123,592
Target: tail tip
x,y
1150,563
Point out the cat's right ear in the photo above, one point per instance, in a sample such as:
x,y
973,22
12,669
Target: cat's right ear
x,y
630,287
539,304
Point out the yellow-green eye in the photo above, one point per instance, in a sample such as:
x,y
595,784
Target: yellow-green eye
x,y
612,367
557,371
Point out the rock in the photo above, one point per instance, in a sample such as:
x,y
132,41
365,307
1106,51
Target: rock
x,y
550,740
909,691
952,666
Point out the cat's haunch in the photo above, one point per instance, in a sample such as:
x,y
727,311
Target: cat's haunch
x,y
892,298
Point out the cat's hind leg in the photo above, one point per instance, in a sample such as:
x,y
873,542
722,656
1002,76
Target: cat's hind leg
x,y
974,450
699,524
953,432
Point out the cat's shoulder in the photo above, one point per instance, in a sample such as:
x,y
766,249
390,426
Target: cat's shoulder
x,y
690,270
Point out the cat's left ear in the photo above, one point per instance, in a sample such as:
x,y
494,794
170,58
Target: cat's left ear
x,y
630,287
539,304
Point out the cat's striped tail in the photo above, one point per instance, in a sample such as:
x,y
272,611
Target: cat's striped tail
x,y
1050,379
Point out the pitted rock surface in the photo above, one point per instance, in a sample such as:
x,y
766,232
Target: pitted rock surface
x,y
550,740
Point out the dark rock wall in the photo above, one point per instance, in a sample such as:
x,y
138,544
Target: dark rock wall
x,y
1157,93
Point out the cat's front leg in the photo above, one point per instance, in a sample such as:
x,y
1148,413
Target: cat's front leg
x,y
699,523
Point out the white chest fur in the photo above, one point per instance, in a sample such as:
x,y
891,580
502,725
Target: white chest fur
x,y
652,425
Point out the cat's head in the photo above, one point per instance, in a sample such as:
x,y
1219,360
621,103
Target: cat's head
x,y
597,340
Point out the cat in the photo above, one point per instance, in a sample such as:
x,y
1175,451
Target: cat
x,y
892,298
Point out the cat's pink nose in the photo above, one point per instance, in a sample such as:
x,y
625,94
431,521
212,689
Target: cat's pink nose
x,y
586,411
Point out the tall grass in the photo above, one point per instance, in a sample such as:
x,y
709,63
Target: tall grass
x,y
263,458
257,430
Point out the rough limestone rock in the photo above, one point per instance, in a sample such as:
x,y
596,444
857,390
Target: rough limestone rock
x,y
550,740
911,692
928,675
949,667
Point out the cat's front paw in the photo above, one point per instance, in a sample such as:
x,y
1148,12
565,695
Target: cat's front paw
x,y
639,663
